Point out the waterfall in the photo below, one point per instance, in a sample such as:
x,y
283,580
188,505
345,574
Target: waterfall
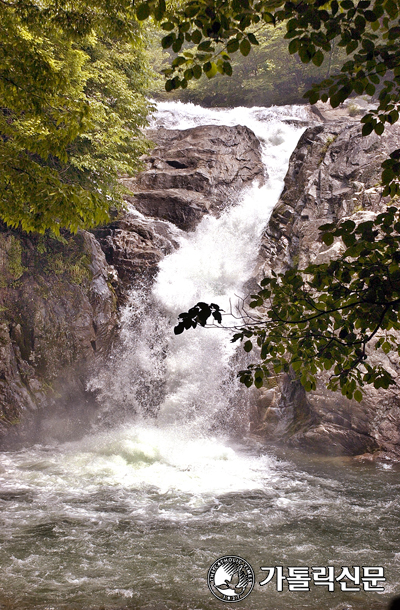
x,y
190,379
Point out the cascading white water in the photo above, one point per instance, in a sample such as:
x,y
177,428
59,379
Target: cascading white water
x,y
212,264
135,514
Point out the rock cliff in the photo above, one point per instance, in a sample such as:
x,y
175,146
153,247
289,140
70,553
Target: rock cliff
x,y
334,173
57,314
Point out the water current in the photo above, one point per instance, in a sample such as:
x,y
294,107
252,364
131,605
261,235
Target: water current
x,y
133,515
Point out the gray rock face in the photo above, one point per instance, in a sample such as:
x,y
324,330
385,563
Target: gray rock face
x,y
189,173
134,246
192,172
334,173
57,315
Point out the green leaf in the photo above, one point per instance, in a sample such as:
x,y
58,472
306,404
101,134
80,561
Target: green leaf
x,y
245,47
304,54
167,41
394,33
367,129
351,46
328,239
196,36
212,71
313,96
160,10
197,71
232,46
252,38
391,8
247,346
387,176
318,58
204,46
227,68
370,16
167,26
268,17
177,45
143,11
258,382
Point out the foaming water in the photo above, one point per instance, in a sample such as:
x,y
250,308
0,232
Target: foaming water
x,y
134,514
214,263
189,379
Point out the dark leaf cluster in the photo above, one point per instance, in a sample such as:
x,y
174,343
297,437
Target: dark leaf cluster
x,y
199,314
204,34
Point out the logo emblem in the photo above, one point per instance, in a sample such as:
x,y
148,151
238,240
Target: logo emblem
x,y
231,578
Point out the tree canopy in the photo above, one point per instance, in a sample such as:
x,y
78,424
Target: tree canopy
x,y
72,84
268,75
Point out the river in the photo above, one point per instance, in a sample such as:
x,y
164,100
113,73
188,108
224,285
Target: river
x,y
133,514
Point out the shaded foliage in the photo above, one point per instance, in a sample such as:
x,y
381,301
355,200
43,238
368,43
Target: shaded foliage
x,y
267,76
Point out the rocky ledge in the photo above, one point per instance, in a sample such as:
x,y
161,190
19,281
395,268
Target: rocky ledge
x,y
190,173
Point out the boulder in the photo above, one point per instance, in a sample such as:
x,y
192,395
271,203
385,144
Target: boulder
x,y
193,172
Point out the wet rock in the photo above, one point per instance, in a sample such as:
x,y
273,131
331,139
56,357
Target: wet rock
x,y
193,172
134,246
190,173
334,173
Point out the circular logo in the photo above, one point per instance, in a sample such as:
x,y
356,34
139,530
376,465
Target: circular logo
x,y
231,578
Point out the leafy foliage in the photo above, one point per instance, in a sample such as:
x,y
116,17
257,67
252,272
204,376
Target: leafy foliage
x,y
72,106
198,314
323,317
268,75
